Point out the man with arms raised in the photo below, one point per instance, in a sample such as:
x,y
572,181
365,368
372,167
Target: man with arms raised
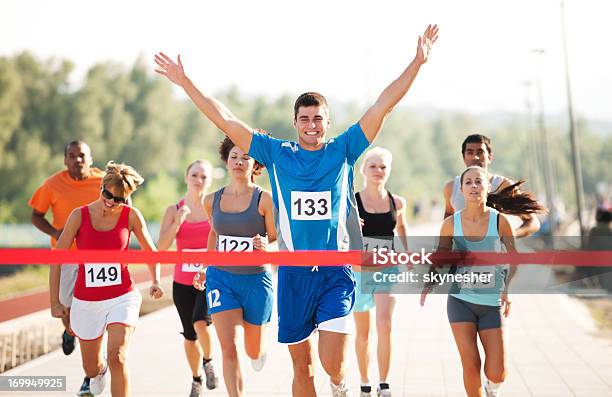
x,y
311,183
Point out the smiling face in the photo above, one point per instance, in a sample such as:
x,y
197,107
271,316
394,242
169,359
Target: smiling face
x,y
311,123
475,185
111,198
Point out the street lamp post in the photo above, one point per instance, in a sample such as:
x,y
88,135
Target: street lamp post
x,y
577,167
544,153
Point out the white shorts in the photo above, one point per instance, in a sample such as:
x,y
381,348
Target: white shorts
x,y
68,278
89,319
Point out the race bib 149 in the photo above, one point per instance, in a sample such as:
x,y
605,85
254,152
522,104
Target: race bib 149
x,y
102,274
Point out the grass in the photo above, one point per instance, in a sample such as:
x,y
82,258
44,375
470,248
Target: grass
x,y
32,277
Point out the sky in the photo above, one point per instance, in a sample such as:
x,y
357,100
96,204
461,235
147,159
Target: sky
x,y
348,50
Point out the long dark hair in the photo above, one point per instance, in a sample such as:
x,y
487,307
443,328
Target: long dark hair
x,y
510,199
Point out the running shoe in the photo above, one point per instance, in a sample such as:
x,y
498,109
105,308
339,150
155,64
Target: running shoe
x,y
84,390
491,391
196,389
365,391
340,390
98,382
260,362
68,343
384,392
212,381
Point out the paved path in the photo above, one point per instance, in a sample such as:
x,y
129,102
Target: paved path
x,y
553,351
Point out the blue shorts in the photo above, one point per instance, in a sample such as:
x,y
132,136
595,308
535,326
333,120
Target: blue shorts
x,y
317,299
253,293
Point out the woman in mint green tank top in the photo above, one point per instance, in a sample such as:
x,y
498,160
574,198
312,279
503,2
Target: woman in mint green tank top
x,y
475,308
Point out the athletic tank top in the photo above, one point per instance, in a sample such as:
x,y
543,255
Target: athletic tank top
x,y
457,199
235,230
378,224
190,236
101,281
480,293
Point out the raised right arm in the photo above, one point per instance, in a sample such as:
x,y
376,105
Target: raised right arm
x,y
237,130
448,207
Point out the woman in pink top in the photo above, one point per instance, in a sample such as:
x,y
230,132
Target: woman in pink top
x,y
104,295
187,222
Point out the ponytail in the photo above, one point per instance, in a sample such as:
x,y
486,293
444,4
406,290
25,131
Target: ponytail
x,y
512,201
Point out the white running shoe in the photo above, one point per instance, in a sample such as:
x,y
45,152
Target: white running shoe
x,y
196,389
212,381
340,390
384,392
259,363
98,382
491,390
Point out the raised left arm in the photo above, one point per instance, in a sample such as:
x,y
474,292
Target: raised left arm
x,y
372,121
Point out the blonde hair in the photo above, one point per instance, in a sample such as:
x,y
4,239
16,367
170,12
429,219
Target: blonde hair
x,y
122,177
207,166
204,163
384,154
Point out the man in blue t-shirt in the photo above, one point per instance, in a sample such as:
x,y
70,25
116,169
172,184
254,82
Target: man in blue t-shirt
x,y
312,187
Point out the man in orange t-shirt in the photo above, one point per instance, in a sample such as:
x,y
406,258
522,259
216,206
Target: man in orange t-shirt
x,y
79,184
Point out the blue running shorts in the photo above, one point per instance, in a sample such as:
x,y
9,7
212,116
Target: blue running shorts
x,y
253,293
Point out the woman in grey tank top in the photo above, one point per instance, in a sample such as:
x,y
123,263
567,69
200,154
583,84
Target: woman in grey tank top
x,y
242,220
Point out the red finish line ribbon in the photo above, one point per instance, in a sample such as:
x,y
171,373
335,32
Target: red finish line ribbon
x,y
298,258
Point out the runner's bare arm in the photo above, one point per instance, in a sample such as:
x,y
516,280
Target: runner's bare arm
x,y
42,224
139,227
267,205
445,243
65,242
212,235
372,121
199,279
530,225
238,131
401,228
169,228
448,191
507,237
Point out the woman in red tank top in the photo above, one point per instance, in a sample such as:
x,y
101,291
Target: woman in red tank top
x,y
187,222
104,295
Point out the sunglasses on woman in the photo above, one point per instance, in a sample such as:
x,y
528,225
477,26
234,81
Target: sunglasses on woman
x,y
109,196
